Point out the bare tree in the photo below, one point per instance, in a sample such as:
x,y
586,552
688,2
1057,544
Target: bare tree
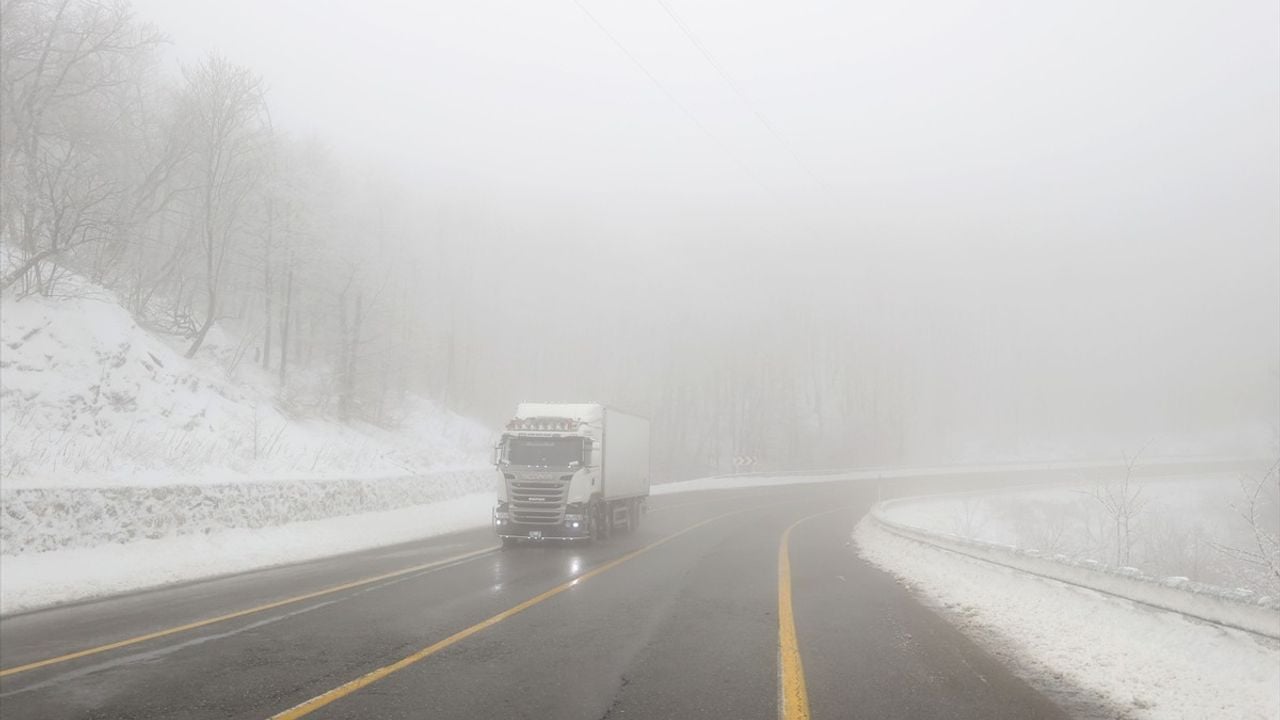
x,y
970,516
1260,511
1123,501
59,65
225,107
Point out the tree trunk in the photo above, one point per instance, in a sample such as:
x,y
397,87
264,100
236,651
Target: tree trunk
x,y
266,288
27,267
353,354
199,340
211,281
210,314
344,362
350,332
284,326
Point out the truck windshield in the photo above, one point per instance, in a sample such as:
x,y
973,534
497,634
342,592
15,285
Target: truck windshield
x,y
549,452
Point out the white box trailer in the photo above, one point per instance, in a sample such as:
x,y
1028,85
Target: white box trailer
x,y
570,471
624,464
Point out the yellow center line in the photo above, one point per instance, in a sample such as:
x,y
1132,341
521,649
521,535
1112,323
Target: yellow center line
x,y
369,678
240,613
793,697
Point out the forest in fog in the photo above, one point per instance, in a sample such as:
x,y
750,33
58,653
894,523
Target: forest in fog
x,y
807,323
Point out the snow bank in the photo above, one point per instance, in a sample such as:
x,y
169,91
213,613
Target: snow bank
x,y
89,398
1232,608
1058,532
125,464
39,520
1018,516
42,579
1131,660
772,479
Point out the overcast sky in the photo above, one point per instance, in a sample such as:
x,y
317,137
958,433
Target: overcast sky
x,y
1008,126
1072,170
903,102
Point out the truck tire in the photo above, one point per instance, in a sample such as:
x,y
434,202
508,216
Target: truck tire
x,y
595,516
631,526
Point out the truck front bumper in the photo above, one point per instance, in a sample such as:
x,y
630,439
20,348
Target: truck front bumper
x,y
565,531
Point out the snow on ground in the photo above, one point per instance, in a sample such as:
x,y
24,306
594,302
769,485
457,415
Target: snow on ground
x,y
751,480
986,515
1184,527
87,397
125,465
1128,660
38,520
42,579
754,480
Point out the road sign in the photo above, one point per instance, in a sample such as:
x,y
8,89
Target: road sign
x,y
744,460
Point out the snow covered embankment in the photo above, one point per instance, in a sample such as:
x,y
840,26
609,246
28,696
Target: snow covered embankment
x,y
67,544
38,520
124,464
89,398
1097,655
38,580
1233,608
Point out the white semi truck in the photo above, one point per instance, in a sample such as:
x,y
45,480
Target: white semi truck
x,y
570,471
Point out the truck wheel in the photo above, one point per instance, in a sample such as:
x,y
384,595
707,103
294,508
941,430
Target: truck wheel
x,y
594,529
630,506
633,516
606,520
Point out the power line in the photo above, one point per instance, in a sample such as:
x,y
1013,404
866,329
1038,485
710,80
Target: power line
x,y
737,89
698,123
671,97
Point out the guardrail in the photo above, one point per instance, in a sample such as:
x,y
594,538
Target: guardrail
x,y
1221,606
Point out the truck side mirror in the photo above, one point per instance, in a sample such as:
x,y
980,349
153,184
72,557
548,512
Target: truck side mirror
x,y
496,459
586,453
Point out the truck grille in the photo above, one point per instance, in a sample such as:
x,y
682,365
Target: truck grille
x,y
538,502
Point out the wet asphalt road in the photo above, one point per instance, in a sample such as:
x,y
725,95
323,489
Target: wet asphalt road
x,y
677,620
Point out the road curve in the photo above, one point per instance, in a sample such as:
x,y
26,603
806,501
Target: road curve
x,y
680,619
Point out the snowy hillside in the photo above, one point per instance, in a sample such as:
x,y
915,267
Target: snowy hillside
x,y
118,453
90,398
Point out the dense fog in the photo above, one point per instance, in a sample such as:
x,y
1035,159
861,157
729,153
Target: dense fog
x,y
818,234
